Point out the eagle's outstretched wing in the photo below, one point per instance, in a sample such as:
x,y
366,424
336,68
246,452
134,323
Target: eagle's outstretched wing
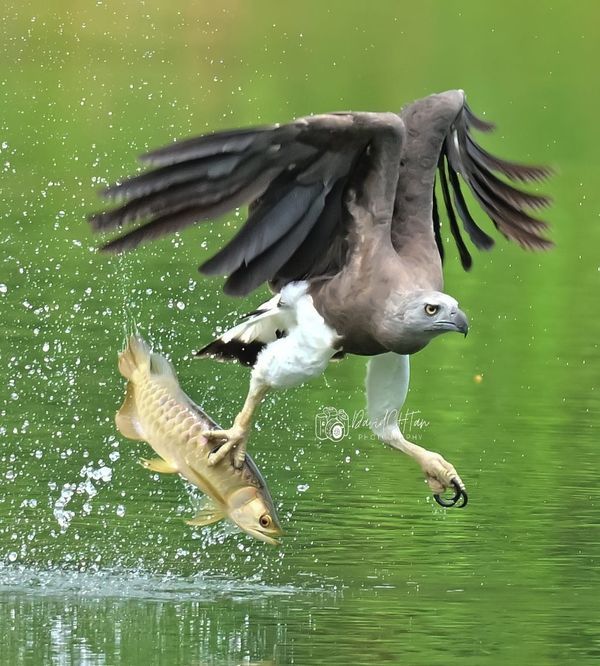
x,y
506,205
294,177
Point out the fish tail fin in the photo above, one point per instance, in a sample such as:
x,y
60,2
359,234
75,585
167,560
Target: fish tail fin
x,y
160,367
135,357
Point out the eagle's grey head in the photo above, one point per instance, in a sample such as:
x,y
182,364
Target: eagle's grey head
x,y
412,320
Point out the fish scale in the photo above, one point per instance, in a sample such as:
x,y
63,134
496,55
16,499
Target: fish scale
x,y
157,411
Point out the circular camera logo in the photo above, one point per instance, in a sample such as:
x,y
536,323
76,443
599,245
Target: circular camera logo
x,y
331,424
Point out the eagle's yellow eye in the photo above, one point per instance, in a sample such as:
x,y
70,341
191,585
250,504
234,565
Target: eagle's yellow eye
x,y
265,520
431,309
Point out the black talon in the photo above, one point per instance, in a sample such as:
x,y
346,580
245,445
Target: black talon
x,y
457,495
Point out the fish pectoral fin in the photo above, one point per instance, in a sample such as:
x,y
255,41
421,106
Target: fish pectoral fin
x,y
126,418
158,465
209,513
129,427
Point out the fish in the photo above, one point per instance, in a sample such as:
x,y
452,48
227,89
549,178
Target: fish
x,y
156,410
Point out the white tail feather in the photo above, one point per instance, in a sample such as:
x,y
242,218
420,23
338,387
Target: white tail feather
x,y
271,320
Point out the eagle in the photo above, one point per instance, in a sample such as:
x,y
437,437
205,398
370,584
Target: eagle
x,y
343,225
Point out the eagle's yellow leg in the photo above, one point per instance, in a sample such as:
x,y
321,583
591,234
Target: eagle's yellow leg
x,y
235,438
387,387
439,473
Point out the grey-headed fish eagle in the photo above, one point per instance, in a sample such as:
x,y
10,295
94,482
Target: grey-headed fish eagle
x,y
343,225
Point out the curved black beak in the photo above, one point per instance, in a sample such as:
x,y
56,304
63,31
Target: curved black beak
x,y
457,322
461,322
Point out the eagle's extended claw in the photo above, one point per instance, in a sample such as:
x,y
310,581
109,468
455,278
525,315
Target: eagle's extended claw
x,y
227,440
460,492
441,475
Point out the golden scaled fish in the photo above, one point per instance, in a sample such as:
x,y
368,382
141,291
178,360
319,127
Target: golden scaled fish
x,y
157,411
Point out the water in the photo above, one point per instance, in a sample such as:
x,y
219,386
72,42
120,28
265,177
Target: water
x,y
96,563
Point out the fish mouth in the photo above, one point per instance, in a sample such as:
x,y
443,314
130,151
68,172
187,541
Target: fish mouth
x,y
264,536
248,508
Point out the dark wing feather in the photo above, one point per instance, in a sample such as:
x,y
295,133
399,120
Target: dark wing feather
x,y
474,121
238,141
176,219
478,237
328,233
264,227
263,267
465,256
174,174
505,204
437,226
196,192
293,176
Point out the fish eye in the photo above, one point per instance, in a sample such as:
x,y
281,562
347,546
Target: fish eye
x,y
265,520
431,309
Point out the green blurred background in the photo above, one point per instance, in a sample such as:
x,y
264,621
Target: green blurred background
x,y
96,563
